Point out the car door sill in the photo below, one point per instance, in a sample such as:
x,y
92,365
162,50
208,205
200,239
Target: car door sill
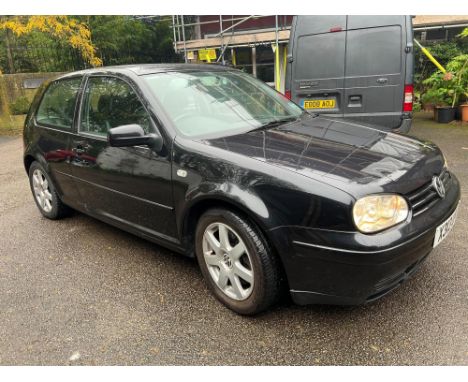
x,y
118,192
138,227
166,241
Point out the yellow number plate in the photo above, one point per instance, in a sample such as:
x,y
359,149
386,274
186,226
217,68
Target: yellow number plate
x,y
319,104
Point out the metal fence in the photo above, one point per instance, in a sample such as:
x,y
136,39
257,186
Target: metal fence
x,y
59,58
42,58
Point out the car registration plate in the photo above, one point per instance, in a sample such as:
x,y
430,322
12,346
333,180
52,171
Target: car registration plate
x,y
319,103
443,230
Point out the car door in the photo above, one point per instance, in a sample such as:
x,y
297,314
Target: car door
x,y
128,186
53,130
375,75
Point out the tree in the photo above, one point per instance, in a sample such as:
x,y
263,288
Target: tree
x,y
65,28
127,39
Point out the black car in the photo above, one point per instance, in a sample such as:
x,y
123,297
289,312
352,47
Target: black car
x,y
214,164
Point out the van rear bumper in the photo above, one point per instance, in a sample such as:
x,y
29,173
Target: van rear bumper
x,y
405,126
380,121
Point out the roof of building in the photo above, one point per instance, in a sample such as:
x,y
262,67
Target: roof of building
x,y
425,20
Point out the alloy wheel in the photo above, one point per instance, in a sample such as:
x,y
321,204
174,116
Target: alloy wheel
x,y
42,190
228,261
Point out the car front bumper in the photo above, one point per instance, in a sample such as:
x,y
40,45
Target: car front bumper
x,y
350,268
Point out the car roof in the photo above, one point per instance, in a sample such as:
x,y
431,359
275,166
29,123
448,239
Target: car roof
x,y
142,69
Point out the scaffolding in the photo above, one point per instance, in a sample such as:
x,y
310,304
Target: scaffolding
x,y
229,36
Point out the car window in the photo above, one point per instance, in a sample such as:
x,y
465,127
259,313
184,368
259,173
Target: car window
x,y
110,102
57,106
207,103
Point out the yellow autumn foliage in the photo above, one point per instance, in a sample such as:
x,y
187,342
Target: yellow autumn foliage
x,y
74,33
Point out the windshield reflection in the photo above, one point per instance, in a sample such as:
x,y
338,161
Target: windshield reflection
x,y
218,102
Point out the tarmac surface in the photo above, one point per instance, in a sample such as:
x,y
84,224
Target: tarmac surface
x,y
80,292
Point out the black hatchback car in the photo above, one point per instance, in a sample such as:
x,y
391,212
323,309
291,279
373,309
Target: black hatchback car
x,y
214,164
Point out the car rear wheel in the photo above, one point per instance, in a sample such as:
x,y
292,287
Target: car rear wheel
x,y
45,193
236,261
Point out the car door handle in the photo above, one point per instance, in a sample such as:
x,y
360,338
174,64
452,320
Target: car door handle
x,y
382,80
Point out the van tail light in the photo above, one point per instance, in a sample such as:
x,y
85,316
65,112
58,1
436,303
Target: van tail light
x,y
287,94
408,98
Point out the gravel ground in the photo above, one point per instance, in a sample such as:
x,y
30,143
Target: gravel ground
x,y
78,291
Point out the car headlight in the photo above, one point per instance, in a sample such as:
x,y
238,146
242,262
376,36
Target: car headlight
x,y
377,212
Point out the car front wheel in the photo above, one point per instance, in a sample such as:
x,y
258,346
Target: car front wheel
x,y
236,261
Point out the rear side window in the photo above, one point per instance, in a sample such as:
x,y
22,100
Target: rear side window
x,y
374,51
320,56
57,106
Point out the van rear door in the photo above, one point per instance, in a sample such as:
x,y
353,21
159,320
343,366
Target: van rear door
x,y
318,65
375,69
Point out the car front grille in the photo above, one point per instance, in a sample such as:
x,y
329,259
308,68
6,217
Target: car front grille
x,y
423,198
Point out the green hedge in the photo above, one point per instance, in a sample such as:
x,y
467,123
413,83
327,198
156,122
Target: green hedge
x,y
20,106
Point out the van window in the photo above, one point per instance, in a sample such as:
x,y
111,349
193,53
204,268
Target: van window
x,y
320,56
57,107
374,51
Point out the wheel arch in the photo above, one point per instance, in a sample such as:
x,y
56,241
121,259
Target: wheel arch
x,y
28,160
196,210
197,207
35,156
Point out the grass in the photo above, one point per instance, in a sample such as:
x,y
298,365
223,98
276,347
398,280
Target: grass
x,y
11,125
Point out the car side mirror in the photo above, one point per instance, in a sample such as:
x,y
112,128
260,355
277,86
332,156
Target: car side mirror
x,y
133,135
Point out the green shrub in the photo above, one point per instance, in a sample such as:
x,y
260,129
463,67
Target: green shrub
x,y
20,106
450,88
444,52
447,89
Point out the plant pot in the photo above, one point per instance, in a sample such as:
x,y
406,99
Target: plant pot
x,y
464,112
444,114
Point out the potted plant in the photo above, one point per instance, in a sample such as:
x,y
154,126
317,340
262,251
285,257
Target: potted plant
x,y
445,89
440,93
464,111
460,64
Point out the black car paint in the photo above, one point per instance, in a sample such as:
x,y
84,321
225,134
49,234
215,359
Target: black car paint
x,y
297,182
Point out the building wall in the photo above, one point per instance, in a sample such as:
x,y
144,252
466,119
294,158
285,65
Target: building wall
x,y
13,86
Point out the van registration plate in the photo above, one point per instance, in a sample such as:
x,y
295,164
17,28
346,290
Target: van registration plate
x,y
319,104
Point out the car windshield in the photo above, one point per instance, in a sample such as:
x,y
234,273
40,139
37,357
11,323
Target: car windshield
x,y
219,103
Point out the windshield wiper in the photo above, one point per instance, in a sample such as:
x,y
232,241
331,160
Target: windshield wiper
x,y
313,114
274,123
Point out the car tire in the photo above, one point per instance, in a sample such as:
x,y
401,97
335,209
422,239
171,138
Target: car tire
x,y
254,278
45,194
